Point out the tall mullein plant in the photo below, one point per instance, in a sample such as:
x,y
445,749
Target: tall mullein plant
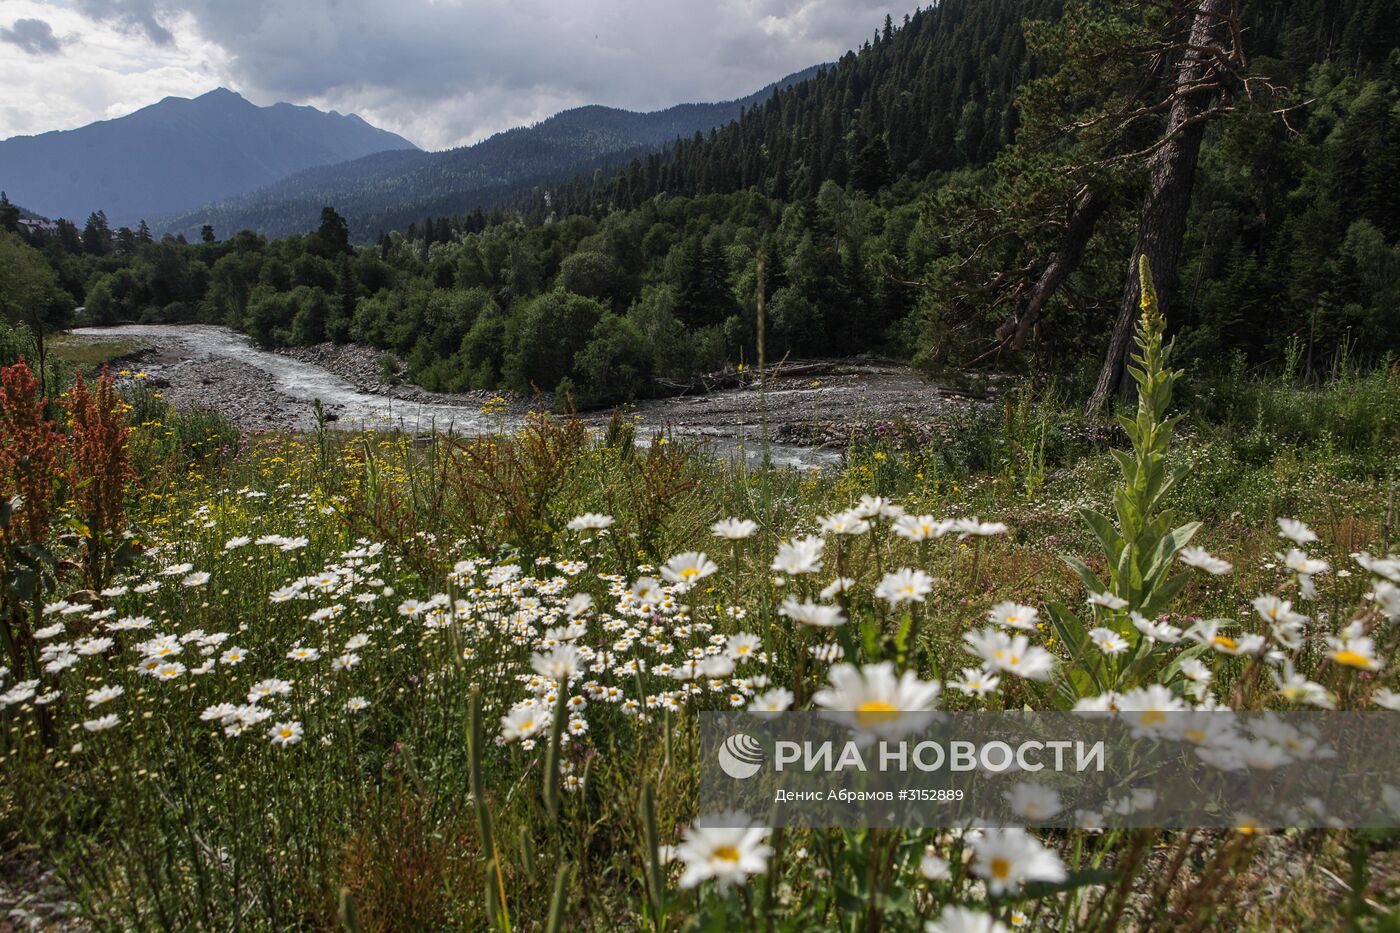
x,y
1140,549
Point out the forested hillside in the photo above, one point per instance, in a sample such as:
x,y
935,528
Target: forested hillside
x,y
966,189
390,190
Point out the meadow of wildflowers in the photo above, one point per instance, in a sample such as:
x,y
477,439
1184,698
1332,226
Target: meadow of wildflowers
x,y
369,683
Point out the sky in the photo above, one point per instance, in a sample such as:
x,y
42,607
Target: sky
x,y
440,72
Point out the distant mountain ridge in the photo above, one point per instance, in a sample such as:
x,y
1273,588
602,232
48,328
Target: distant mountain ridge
x,y
177,154
390,190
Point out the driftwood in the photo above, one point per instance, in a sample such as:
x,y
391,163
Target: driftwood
x,y
733,378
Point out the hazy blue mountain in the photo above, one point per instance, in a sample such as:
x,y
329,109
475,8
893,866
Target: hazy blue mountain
x,y
178,154
390,190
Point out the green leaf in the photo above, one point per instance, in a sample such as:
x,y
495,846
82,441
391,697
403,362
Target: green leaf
x,y
1165,593
1108,535
1173,670
1168,546
870,636
1127,583
37,554
22,581
1086,576
77,527
848,899
1034,890
1082,672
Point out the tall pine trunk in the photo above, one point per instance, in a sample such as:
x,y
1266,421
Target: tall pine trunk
x,y
1172,173
1085,214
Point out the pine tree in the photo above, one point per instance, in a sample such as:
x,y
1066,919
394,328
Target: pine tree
x,y
9,214
97,236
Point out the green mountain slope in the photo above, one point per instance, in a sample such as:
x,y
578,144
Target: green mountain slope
x,y
390,190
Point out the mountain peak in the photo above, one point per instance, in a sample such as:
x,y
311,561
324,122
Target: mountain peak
x,y
221,93
178,154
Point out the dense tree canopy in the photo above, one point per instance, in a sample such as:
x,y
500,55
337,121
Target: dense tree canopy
x,y
895,198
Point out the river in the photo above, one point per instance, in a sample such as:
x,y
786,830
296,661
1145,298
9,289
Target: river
x,y
219,368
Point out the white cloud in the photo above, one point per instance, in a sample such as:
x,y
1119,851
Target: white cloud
x,y
441,72
100,70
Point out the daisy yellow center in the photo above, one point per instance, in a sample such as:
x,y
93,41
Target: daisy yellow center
x,y
1195,735
286,733
1153,717
527,724
1224,642
690,572
1001,868
874,712
727,854
1351,659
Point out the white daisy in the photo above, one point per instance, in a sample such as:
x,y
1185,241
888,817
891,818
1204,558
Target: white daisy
x,y
734,529
104,695
1295,531
728,854
1010,614
799,556
813,614
688,568
102,723
1007,858
1201,559
285,733
904,585
873,702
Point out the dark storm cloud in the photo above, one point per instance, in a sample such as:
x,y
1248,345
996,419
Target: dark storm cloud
x,y
142,16
32,35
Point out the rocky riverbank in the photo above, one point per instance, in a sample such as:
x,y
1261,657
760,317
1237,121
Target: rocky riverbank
x,y
241,392
814,406
817,404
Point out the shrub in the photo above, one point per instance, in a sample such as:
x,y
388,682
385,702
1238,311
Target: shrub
x,y
616,364
592,274
547,336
